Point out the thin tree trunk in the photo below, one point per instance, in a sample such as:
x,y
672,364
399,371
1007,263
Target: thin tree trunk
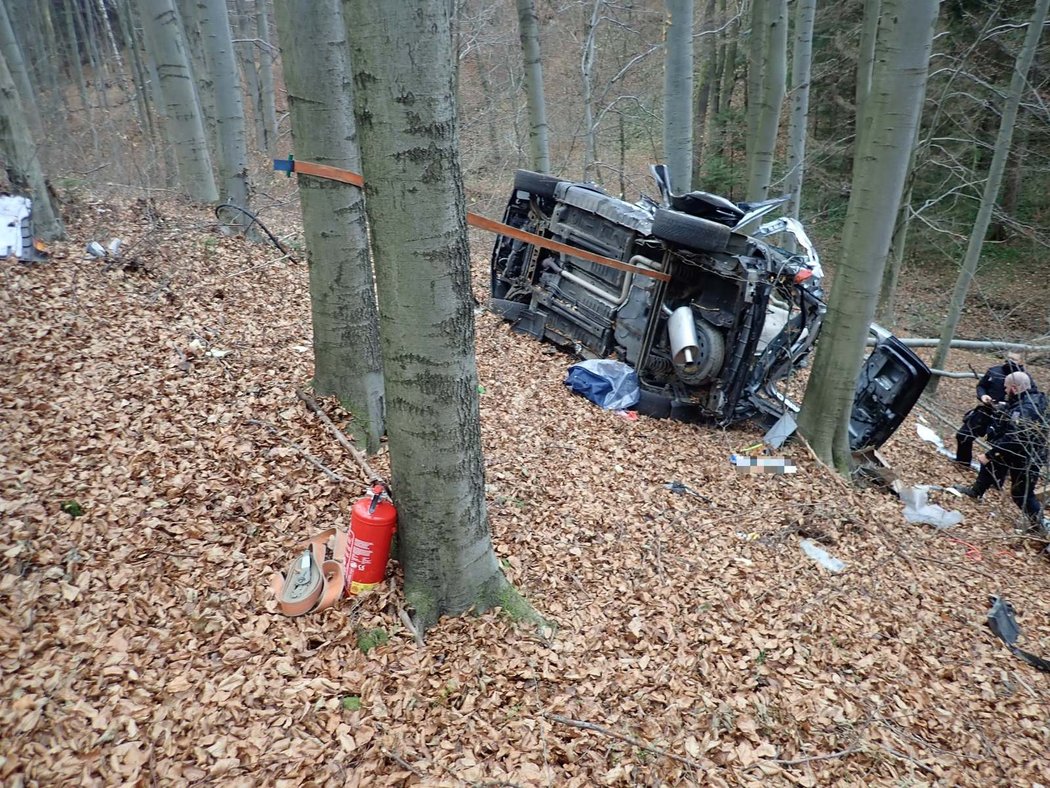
x,y
707,89
529,30
406,116
266,84
678,94
20,158
245,50
233,149
801,61
202,72
12,53
902,57
731,34
992,184
185,126
347,361
774,79
590,144
756,62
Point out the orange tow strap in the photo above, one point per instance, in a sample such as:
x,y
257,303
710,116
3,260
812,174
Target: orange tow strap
x,y
476,220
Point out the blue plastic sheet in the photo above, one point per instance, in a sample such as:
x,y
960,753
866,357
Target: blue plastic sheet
x,y
609,384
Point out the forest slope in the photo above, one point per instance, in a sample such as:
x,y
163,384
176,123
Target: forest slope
x,y
694,637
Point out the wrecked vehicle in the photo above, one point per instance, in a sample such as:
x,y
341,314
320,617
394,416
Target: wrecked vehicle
x,y
691,292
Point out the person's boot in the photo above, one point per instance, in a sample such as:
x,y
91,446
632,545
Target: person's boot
x,y
968,490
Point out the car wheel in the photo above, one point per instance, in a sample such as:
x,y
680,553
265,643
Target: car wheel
x,y
536,183
712,352
690,232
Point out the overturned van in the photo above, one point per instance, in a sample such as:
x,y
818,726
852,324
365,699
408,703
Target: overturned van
x,y
712,302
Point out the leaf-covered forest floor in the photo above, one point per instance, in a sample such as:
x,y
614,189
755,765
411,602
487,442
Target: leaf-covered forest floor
x,y
696,643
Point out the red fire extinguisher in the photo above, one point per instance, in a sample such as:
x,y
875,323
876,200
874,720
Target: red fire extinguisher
x,y
373,521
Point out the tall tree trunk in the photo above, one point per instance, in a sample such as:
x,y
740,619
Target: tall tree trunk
x,y
678,94
20,158
992,184
869,27
902,56
774,79
756,63
233,149
406,116
16,64
347,361
185,125
245,50
202,72
801,61
706,89
731,34
266,86
529,30
590,133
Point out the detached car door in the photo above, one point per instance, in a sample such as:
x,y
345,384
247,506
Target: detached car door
x,y
890,383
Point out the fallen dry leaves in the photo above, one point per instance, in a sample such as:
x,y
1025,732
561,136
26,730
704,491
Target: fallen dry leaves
x,y
140,646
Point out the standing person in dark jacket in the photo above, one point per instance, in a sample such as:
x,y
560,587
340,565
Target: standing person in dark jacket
x,y
990,390
1019,447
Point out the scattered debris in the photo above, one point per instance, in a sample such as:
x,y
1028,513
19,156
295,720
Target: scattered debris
x,y
609,384
779,433
681,489
918,510
1003,624
928,435
821,556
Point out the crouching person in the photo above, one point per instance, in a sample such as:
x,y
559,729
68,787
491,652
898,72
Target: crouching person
x,y
1018,448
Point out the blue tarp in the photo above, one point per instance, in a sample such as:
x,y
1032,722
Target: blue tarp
x,y
609,384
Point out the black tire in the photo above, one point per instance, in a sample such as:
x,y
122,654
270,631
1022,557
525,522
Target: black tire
x,y
690,232
536,183
26,230
712,352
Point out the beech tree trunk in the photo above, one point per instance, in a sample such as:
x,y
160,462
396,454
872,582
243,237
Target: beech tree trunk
x,y
590,144
678,94
16,64
266,86
347,360
185,124
529,31
406,119
229,107
801,61
20,159
1018,83
888,127
767,115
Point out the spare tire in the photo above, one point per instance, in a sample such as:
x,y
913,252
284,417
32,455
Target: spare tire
x,y
535,183
690,232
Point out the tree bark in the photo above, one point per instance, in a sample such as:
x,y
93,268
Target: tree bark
x,y
756,63
20,159
266,85
1018,83
529,31
406,119
902,56
16,64
233,148
347,360
678,94
185,124
801,62
590,144
245,51
708,77
774,78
